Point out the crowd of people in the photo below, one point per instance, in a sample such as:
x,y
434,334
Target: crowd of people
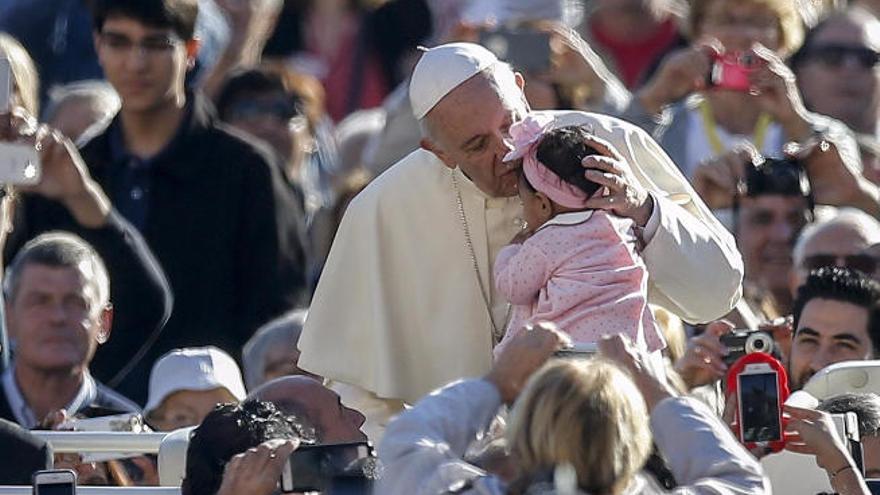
x,y
363,246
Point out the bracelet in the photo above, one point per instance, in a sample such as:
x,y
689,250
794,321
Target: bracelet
x,y
844,468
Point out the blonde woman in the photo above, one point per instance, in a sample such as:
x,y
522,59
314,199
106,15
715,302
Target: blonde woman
x,y
593,418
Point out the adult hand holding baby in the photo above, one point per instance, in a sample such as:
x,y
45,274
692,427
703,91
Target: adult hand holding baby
x,y
624,195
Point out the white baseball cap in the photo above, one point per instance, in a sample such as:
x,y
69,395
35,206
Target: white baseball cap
x,y
443,68
193,368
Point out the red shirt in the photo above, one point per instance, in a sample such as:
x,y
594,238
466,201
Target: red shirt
x,y
633,56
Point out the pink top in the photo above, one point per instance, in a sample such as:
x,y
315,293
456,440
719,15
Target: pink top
x,y
580,271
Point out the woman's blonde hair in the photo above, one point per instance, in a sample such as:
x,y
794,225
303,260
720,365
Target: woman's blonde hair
x,y
588,414
27,81
791,25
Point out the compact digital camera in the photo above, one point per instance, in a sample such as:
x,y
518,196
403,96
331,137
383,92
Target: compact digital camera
x,y
742,342
731,71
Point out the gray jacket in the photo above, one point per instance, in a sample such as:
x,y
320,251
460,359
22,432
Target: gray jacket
x,y
423,448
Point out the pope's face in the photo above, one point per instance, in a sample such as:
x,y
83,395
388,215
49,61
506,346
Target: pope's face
x,y
469,129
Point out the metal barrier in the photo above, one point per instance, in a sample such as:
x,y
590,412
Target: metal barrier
x,y
171,448
99,490
67,442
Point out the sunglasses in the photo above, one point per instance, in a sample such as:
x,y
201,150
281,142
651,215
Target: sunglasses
x,y
282,110
865,263
836,55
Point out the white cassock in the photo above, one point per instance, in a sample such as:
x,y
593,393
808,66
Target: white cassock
x,y
399,311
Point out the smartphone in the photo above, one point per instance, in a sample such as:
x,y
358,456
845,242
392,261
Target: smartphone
x,y
313,468
54,482
6,85
524,49
760,419
19,164
578,350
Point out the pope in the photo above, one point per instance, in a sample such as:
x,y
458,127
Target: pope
x,y
406,302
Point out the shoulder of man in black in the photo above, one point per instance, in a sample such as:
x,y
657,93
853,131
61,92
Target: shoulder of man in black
x,y
30,454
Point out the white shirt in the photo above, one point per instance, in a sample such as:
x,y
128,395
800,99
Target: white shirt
x,y
24,416
699,148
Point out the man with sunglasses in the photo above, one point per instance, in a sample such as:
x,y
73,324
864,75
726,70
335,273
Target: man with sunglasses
x,y
211,206
842,241
837,69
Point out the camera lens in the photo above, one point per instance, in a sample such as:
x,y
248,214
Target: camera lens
x,y
759,344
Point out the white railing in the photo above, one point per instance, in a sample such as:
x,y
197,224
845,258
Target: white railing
x,y
170,446
67,442
99,490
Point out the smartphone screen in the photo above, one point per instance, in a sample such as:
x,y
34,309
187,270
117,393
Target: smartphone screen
x,y
311,467
759,407
55,489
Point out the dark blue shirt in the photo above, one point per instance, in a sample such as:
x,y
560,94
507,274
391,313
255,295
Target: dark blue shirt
x,y
131,174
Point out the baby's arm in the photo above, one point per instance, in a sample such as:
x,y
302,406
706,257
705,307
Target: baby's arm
x,y
520,273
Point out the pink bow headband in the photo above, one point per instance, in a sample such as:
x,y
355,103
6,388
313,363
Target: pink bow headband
x,y
527,135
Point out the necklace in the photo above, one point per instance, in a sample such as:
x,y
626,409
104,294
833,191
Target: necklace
x,y
496,334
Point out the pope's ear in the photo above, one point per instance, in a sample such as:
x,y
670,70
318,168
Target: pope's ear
x,y
428,145
520,80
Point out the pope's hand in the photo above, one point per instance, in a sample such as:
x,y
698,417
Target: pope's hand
x,y
523,354
624,195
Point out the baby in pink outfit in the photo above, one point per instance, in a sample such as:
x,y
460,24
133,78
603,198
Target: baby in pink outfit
x,y
579,268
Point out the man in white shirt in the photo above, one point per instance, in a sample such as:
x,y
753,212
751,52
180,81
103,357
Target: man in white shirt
x,y
57,312
406,302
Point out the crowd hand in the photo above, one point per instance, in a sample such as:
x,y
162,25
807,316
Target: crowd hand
x,y
65,177
650,381
703,361
774,84
717,179
782,331
624,195
680,74
257,470
523,354
813,433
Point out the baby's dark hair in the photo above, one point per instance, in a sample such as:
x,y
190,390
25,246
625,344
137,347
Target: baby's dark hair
x,y
562,150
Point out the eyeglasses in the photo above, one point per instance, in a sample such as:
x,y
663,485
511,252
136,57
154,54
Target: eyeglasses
x,y
149,46
862,262
836,55
280,109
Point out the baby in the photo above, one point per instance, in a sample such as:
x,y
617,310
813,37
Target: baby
x,y
575,267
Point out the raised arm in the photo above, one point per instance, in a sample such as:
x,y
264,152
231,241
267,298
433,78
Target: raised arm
x,y
520,272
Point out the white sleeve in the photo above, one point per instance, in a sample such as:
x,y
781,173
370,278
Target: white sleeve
x,y
694,275
702,453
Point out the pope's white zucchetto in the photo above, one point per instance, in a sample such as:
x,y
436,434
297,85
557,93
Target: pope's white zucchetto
x,y
442,69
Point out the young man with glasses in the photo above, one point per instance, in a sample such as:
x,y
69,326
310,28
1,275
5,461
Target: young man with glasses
x,y
212,207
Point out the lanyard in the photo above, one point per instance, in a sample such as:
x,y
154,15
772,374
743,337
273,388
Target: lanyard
x,y
710,128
